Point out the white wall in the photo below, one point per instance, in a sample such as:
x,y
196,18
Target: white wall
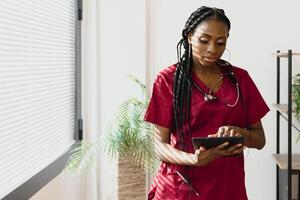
x,y
259,28
121,52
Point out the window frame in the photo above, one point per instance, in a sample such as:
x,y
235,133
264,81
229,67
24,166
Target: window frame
x,y
39,180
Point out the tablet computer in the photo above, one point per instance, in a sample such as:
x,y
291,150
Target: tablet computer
x,y
209,142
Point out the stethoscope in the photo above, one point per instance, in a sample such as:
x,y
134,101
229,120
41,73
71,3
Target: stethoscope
x,y
209,97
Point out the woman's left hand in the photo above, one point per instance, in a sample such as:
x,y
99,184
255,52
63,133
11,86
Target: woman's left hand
x,y
230,131
254,136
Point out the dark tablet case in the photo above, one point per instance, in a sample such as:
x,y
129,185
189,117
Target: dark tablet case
x,y
209,142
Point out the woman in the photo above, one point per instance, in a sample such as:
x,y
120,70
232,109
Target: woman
x,y
203,96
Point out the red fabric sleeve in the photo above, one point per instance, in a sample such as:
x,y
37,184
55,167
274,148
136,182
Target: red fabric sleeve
x,y
160,108
255,104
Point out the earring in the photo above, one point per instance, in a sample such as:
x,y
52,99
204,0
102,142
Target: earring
x,y
190,51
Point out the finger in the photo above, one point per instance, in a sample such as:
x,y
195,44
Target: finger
x,y
202,148
237,151
241,149
238,134
227,132
234,148
213,135
232,133
221,131
222,146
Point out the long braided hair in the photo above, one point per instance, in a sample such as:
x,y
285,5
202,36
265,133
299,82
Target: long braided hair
x,y
182,81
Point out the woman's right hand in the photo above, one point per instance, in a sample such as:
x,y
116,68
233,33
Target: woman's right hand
x,y
204,156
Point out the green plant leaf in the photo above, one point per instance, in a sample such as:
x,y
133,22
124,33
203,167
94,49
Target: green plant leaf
x,y
128,134
82,158
298,138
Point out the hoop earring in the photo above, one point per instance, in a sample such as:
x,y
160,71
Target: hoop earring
x,y
229,55
190,52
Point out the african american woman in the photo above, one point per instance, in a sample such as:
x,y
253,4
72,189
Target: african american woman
x,y
203,96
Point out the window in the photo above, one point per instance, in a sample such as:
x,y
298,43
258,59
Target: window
x,y
39,87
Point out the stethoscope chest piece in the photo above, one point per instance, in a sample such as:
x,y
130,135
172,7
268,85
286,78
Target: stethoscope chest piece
x,y
209,97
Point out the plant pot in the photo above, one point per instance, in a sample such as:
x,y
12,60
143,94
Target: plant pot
x,y
131,180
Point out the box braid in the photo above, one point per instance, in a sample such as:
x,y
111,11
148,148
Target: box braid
x,y
182,82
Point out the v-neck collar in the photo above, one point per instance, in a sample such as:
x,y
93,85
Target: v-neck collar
x,y
204,87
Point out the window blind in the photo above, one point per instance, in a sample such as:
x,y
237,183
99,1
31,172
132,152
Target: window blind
x,y
37,86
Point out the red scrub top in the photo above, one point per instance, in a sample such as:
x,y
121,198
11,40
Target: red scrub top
x,y
224,178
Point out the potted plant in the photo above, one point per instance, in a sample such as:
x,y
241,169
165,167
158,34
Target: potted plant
x,y
296,98
129,138
296,94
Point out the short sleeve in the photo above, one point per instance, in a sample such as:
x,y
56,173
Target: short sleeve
x,y
160,108
255,104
